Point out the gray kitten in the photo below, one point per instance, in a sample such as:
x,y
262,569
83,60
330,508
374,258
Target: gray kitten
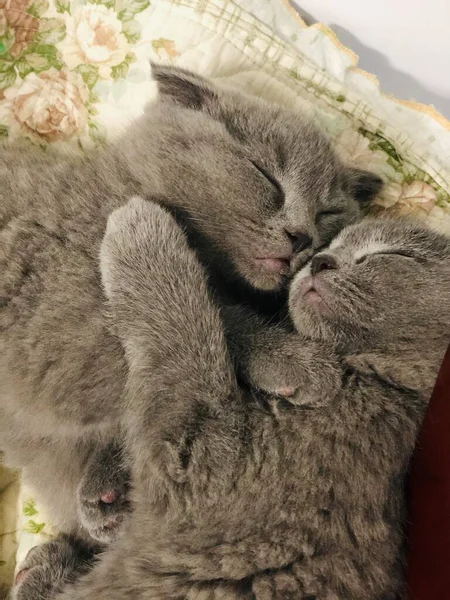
x,y
258,189
243,496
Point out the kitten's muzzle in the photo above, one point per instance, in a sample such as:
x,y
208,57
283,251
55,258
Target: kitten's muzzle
x,y
299,242
311,290
278,265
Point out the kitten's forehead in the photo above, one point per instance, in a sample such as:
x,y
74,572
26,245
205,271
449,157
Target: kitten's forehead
x,y
370,247
363,246
375,235
380,234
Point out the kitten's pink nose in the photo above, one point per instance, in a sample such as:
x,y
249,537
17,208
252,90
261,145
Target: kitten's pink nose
x,y
322,262
109,497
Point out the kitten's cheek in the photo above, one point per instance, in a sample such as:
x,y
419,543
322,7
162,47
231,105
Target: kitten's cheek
x,y
299,287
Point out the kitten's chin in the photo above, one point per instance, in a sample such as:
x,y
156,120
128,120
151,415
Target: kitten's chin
x,y
309,324
309,294
267,284
267,275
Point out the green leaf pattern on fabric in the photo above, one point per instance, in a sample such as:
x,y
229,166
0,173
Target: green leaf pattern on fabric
x,y
127,9
7,78
29,509
121,70
87,41
89,73
33,527
38,8
7,40
62,6
51,31
33,522
132,31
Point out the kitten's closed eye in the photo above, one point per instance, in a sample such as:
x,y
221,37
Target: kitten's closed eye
x,y
331,212
402,253
279,197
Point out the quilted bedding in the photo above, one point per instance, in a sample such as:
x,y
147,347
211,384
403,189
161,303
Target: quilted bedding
x,y
74,74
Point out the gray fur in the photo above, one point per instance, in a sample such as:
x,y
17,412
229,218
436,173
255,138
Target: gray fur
x,y
238,496
103,493
51,566
247,179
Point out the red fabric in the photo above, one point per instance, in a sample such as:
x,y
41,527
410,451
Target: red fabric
x,y
429,562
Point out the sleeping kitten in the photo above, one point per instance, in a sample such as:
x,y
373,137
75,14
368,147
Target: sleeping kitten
x,y
240,496
258,189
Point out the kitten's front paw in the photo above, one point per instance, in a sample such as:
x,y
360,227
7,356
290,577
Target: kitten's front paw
x,y
137,235
293,370
137,257
48,568
143,257
103,495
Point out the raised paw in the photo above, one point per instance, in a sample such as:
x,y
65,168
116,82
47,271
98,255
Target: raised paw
x,y
287,367
150,276
103,495
48,568
138,235
141,244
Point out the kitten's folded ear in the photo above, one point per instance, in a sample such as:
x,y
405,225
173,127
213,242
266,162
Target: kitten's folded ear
x,y
407,370
183,87
362,185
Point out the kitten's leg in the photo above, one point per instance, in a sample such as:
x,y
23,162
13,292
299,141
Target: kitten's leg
x,y
179,368
181,385
103,494
48,568
276,360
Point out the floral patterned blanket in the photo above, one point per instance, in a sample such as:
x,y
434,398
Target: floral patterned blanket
x,y
73,74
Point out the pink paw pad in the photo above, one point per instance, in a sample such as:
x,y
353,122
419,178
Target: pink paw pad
x,y
21,576
285,392
109,497
113,522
